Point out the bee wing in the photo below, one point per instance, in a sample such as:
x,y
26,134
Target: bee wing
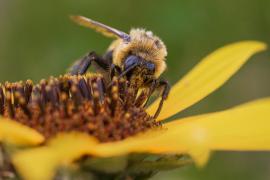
x,y
99,27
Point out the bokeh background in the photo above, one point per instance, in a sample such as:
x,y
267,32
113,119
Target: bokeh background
x,y
37,40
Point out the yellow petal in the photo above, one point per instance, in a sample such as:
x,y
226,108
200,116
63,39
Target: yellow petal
x,y
244,128
16,133
42,162
190,140
212,72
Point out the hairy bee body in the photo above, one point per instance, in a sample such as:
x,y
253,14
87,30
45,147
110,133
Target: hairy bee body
x,y
139,56
142,44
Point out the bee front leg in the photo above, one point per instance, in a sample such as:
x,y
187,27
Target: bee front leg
x,y
164,84
114,70
151,90
80,67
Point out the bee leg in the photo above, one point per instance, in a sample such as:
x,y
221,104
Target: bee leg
x,y
80,67
150,91
108,56
166,89
114,70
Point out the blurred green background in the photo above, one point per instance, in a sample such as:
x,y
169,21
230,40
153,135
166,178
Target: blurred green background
x,y
38,40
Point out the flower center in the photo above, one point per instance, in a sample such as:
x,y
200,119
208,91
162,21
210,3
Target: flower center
x,y
77,103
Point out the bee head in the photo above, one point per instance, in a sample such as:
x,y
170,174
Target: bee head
x,y
144,48
135,65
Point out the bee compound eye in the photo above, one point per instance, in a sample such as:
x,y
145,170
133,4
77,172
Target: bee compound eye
x,y
131,61
150,66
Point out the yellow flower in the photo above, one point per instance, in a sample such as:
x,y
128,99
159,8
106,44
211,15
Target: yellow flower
x,y
242,128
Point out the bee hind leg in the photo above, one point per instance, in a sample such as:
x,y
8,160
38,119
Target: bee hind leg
x,y
81,66
164,84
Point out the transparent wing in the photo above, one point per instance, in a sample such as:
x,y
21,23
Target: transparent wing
x,y
99,27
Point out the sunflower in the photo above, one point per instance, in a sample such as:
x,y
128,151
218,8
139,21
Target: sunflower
x,y
67,121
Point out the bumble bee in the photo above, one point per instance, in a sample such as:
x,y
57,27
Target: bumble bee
x,y
139,56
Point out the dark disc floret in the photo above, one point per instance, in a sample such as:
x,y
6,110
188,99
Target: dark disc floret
x,y
77,103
